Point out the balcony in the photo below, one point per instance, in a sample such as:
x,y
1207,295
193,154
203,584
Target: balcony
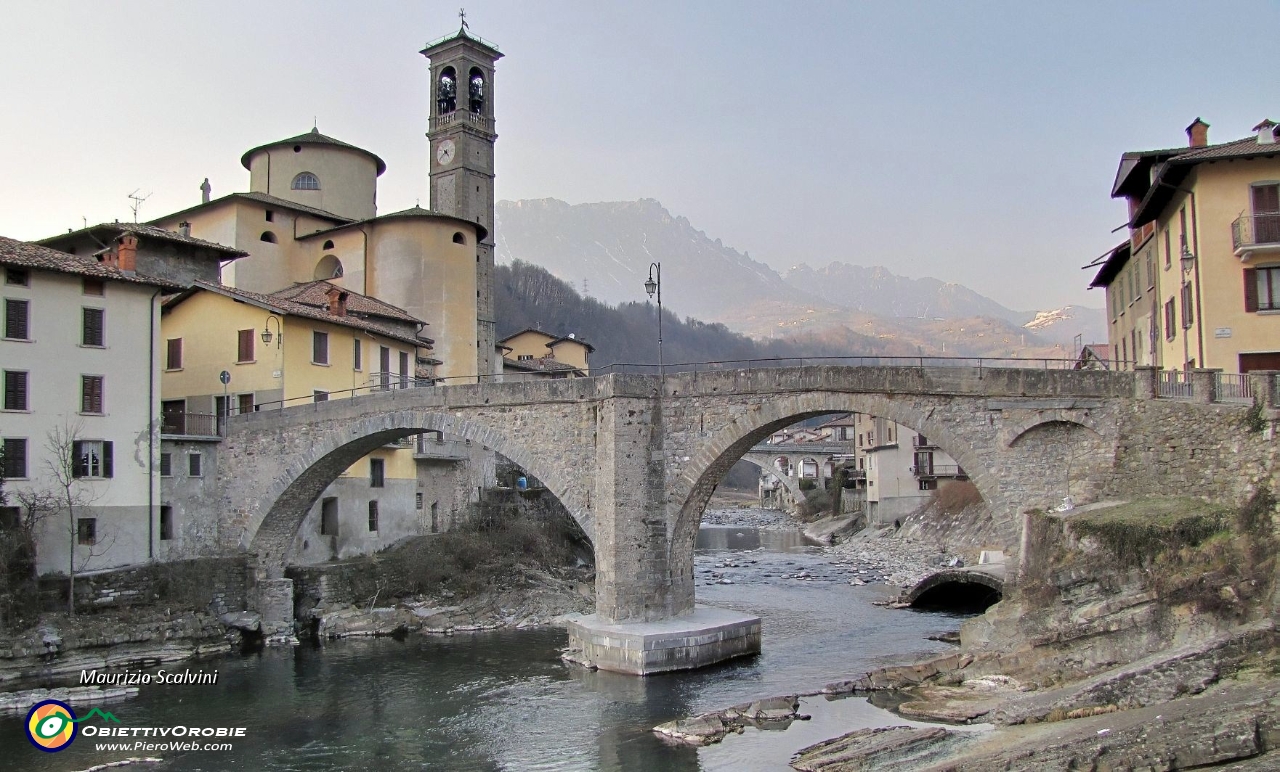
x,y
192,425
1255,233
429,448
933,471
461,116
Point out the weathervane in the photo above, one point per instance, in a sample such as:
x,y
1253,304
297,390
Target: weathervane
x,y
462,14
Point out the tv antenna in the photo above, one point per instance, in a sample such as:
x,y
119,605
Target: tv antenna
x,y
137,202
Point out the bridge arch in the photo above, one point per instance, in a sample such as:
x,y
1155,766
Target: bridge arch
x,y
956,586
690,492
335,447
787,481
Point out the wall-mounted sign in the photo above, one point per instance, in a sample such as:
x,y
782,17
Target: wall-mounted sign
x,y
1222,332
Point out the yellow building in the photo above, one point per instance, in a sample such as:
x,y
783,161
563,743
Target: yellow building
x,y
533,353
310,214
311,342
1199,282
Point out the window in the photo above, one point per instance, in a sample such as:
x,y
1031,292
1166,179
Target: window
x,y
166,523
1135,284
244,403
524,357
404,370
268,237
195,465
1261,289
328,245
435,517
1168,248
417,500
92,458
87,530
373,516
244,350
305,181
1170,320
17,277
15,390
1188,314
17,317
357,354
319,348
377,473
320,396
91,394
329,267
13,458
95,287
173,354
1151,270
928,485
166,464
329,517
269,215
92,333
458,238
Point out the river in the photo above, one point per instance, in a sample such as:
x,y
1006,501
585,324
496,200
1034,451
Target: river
x,y
504,701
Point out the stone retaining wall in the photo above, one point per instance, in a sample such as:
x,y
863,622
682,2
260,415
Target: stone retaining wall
x,y
213,584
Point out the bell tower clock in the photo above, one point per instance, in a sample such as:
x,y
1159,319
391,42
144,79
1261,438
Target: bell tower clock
x,y
462,135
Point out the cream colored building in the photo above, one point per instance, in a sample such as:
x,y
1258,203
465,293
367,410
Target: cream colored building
x,y
79,338
1199,282
533,353
311,214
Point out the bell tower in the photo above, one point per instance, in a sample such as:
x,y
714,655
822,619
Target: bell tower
x,y
462,133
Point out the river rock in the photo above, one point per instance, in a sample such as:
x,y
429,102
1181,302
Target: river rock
x,y
246,621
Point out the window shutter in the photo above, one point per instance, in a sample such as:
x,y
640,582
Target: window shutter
x,y
15,390
93,327
1251,289
15,319
79,464
245,352
174,354
108,460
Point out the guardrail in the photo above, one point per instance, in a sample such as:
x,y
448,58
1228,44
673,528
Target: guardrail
x,y
1174,384
1229,387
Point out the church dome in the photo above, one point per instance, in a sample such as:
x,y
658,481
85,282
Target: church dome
x,y
311,138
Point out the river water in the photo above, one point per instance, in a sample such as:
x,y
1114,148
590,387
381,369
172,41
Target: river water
x,y
504,701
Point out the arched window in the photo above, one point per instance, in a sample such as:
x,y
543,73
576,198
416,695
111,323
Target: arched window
x,y
458,238
329,267
268,237
447,92
475,90
306,181
328,245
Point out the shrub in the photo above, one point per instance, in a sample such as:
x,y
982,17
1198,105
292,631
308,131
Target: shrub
x,y
955,496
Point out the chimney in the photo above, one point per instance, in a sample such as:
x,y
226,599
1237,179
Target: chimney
x,y
1198,133
1266,132
127,253
184,229
337,301
205,190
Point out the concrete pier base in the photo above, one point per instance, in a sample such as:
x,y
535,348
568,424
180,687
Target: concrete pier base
x,y
705,637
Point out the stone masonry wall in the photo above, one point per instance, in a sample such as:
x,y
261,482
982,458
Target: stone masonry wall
x,y
214,584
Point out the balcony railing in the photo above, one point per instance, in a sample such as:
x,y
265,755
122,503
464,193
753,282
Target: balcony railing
x,y
1250,231
461,116
939,470
192,425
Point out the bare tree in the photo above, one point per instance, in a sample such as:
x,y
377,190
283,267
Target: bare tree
x,y
68,463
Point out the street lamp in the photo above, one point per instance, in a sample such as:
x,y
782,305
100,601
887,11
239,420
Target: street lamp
x,y
651,286
1187,260
266,331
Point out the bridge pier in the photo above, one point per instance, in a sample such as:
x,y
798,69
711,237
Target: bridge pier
x,y
635,629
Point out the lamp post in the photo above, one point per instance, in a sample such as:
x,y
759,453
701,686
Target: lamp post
x,y
654,284
266,331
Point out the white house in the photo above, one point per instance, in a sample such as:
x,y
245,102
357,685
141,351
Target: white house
x,y
78,360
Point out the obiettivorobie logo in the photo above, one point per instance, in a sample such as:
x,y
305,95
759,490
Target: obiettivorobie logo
x,y
51,725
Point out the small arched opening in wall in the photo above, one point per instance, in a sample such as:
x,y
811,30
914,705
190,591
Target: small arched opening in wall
x,y
459,238
1075,456
292,497
692,490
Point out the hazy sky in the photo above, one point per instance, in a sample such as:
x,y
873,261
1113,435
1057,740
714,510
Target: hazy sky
x,y
975,142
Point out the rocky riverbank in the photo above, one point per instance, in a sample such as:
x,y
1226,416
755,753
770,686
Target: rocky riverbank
x,y
750,517
1139,636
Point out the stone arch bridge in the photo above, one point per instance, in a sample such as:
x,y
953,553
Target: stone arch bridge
x,y
636,467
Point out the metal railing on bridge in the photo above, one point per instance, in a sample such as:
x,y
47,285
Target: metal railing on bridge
x,y
1230,387
1174,384
1034,363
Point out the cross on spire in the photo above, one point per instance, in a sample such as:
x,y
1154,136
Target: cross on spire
x,y
462,14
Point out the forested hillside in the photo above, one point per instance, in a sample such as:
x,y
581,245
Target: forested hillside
x,y
529,296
